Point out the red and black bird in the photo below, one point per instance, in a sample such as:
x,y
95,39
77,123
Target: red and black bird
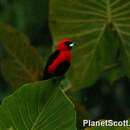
x,y
60,60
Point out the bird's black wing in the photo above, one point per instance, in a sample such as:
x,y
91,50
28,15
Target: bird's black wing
x,y
62,68
51,58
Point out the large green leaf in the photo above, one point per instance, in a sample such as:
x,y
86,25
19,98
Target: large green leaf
x,y
37,106
20,63
100,28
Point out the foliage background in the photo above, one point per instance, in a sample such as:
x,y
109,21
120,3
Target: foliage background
x,y
98,80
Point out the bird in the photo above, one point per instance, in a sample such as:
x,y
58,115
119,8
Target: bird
x,y
60,60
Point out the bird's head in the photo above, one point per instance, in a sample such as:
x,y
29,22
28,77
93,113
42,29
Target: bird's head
x,y
65,44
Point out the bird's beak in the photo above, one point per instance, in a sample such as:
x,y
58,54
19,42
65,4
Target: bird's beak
x,y
72,44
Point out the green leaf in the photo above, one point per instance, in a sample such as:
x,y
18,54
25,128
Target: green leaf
x,y
113,73
38,106
124,35
20,63
100,29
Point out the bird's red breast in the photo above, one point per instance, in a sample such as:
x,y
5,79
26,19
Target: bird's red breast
x,y
62,57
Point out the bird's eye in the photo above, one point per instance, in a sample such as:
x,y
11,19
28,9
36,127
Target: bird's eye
x,y
71,44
